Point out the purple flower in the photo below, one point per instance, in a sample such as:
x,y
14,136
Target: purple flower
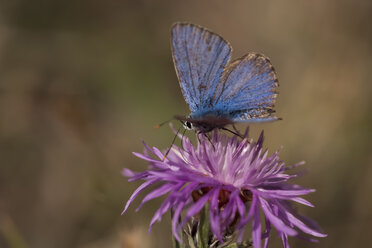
x,y
236,177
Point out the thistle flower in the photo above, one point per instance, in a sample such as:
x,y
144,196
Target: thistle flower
x,y
236,178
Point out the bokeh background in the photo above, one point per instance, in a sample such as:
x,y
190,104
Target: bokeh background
x,y
81,82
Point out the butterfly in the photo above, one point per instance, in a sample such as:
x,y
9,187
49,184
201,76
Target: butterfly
x,y
217,91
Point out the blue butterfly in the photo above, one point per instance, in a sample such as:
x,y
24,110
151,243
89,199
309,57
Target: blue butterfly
x,y
220,92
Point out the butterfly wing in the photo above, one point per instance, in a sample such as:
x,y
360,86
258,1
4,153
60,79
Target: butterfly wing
x,y
199,57
247,90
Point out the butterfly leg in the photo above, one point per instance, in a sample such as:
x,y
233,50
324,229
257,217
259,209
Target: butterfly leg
x,y
235,133
238,132
197,136
209,139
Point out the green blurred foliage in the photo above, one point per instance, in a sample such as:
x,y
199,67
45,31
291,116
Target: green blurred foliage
x,y
81,82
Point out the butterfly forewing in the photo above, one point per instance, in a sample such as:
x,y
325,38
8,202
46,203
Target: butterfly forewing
x,y
247,89
200,57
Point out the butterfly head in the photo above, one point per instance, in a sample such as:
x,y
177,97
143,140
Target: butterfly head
x,y
198,126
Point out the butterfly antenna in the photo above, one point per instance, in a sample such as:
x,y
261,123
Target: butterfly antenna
x,y
170,147
161,124
231,131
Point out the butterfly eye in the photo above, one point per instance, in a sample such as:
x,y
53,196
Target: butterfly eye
x,y
187,125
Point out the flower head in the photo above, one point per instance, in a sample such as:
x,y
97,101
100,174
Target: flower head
x,y
236,177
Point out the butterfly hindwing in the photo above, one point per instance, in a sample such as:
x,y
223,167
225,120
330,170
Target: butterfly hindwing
x,y
200,57
247,90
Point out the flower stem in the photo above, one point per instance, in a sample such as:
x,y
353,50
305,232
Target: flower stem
x,y
203,228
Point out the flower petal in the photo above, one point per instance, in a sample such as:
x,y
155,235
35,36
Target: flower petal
x,y
128,173
195,208
276,221
266,235
214,215
256,227
136,192
175,219
162,190
302,226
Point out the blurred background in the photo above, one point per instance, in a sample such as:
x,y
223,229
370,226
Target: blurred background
x,y
81,82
